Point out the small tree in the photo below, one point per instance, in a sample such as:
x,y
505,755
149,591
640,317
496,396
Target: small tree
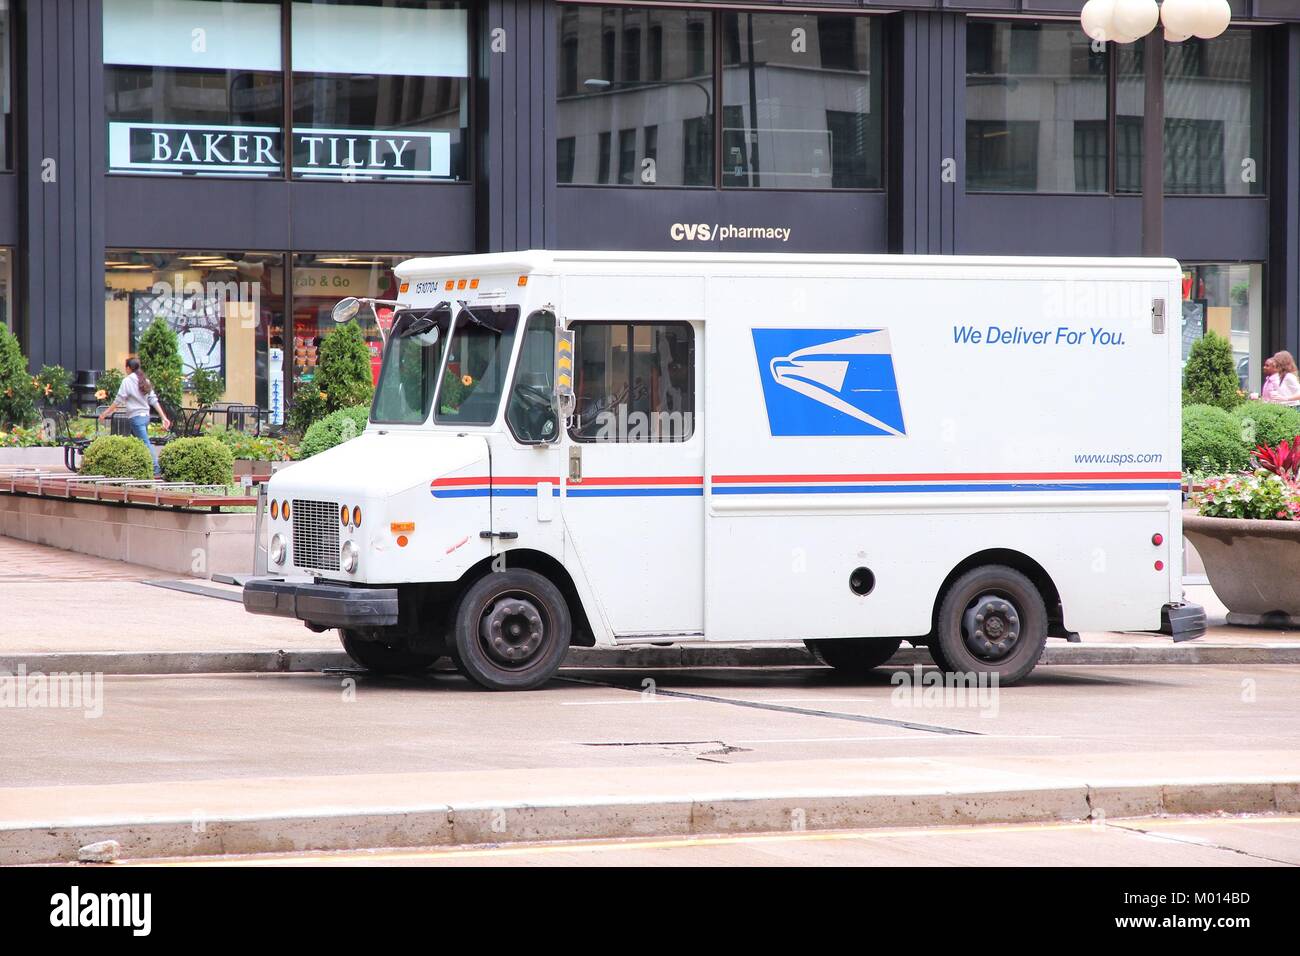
x,y
208,386
160,357
1210,377
53,384
108,384
343,369
16,390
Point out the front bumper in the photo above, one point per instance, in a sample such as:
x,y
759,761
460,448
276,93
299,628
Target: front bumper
x,y
324,605
1182,622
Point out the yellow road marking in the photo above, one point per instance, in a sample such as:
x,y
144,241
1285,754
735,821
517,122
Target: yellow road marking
x,y
684,842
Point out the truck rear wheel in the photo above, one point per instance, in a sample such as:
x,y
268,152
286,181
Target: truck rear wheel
x,y
384,658
512,630
992,620
855,655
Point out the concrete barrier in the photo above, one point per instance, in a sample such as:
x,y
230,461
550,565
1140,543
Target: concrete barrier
x,y
192,543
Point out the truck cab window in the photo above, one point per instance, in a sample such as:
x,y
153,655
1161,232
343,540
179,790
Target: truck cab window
x,y
634,382
405,391
478,357
530,411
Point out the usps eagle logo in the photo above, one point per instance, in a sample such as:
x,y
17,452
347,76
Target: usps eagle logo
x,y
828,382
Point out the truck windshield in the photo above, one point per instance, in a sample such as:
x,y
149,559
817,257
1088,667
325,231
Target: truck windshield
x,y
415,346
478,357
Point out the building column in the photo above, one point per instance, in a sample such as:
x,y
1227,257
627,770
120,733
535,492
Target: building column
x,y
927,143
514,99
60,98
1282,320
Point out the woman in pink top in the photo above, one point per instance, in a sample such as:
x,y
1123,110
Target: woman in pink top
x,y
1288,389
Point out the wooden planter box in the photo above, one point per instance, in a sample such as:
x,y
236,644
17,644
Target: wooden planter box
x,y
1253,567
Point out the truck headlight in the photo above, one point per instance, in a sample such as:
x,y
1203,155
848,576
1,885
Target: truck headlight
x,y
278,549
349,555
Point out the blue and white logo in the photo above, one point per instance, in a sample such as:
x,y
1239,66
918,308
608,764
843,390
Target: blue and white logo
x,y
828,382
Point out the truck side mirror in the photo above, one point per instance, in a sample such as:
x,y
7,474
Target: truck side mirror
x,y
564,397
345,309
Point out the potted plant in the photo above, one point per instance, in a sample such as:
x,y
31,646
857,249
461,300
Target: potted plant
x,y
1247,531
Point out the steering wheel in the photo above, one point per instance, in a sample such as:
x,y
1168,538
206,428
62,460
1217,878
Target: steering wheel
x,y
536,411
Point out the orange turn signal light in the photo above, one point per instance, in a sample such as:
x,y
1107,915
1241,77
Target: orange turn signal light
x,y
523,281
285,509
345,515
356,516
401,541
275,509
403,287
402,527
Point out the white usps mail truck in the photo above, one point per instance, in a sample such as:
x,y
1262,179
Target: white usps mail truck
x,y
591,448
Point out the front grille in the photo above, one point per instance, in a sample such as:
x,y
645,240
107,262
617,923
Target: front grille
x,y
316,535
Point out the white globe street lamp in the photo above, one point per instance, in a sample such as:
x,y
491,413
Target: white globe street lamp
x,y
1125,21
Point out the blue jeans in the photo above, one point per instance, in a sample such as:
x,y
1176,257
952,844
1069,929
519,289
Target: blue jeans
x,y
140,429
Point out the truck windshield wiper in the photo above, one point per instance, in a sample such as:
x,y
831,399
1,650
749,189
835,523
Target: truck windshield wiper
x,y
487,323
420,324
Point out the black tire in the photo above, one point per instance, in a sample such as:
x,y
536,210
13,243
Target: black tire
x,y
855,655
384,658
511,631
992,620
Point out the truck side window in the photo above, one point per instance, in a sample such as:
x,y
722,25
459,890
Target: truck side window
x,y
530,410
478,356
634,382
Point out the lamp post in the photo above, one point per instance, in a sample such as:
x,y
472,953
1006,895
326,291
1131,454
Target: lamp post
x,y
1127,21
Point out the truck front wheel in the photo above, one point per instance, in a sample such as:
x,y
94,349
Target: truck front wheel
x,y
384,658
512,630
855,655
992,620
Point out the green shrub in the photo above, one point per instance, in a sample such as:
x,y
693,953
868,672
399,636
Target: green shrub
x,y
343,368
1262,423
17,405
207,386
253,447
53,384
204,461
1210,377
160,357
117,456
307,407
334,429
108,383
1212,440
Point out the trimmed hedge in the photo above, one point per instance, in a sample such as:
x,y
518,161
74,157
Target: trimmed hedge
x,y
334,429
1212,440
203,461
1262,423
1210,376
117,456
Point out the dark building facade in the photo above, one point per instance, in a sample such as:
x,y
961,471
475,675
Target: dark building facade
x,y
236,166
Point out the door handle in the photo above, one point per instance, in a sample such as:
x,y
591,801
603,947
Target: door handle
x,y
575,464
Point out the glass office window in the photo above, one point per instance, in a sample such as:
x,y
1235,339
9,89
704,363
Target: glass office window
x,y
6,107
1228,299
225,307
1036,108
623,71
1216,115
801,101
380,89
194,87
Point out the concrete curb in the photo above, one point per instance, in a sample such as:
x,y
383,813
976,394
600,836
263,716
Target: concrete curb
x,y
783,655
471,823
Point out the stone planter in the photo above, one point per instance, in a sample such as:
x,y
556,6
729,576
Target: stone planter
x,y
1253,567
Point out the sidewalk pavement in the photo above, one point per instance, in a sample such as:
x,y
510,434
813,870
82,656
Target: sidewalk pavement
x,y
283,814
111,621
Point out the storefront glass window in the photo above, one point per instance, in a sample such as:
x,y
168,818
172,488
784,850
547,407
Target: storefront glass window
x,y
641,78
1036,108
6,108
227,308
1216,115
319,281
1228,299
801,101
380,89
194,87
6,289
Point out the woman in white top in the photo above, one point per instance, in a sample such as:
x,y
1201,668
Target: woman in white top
x,y
1288,388
135,396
